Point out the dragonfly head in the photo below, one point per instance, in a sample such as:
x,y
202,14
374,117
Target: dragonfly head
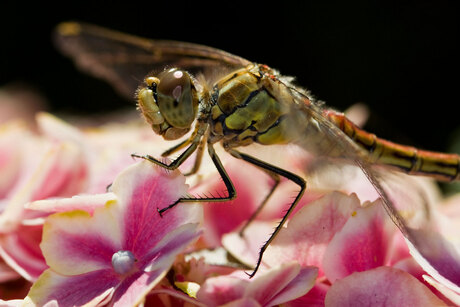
x,y
169,103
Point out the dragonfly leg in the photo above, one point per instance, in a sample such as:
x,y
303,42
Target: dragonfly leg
x,y
174,164
197,136
231,192
177,147
195,140
198,159
276,179
281,172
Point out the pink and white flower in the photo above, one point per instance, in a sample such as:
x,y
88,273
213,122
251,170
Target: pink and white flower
x,y
121,250
275,286
100,247
40,167
341,237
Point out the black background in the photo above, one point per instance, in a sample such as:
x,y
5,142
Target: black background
x,y
400,58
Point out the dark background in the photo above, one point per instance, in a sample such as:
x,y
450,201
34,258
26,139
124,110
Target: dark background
x,y
400,58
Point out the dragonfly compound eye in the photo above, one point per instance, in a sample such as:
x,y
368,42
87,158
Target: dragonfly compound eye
x,y
169,103
177,98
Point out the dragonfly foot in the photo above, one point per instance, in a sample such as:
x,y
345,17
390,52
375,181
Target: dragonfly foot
x,y
134,155
251,275
145,157
160,212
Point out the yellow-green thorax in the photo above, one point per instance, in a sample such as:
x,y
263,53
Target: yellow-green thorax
x,y
246,109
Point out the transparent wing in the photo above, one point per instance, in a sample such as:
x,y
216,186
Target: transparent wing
x,y
124,60
405,198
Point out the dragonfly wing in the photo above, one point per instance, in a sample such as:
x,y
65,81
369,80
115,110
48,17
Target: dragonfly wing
x,y
340,149
124,60
430,243
406,201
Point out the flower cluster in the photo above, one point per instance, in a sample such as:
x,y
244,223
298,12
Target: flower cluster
x,y
79,226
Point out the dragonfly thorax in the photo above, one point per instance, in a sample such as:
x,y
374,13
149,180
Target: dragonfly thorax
x,y
169,103
249,105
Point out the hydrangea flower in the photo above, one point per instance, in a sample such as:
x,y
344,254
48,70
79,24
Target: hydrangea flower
x,y
121,250
59,160
272,287
335,244
342,237
38,167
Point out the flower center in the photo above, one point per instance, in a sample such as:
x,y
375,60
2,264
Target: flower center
x,y
123,262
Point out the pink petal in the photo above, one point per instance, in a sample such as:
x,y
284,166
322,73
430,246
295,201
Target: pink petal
x,y
361,244
221,290
436,246
21,251
90,288
347,178
76,243
399,249
451,207
133,289
58,130
105,172
309,231
271,282
62,178
51,176
437,256
246,249
11,303
162,296
243,302
358,113
410,266
383,286
12,138
162,256
141,189
7,273
274,286
450,296
301,284
87,203
314,298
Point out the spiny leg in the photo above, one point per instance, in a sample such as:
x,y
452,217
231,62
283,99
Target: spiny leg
x,y
223,174
175,163
276,179
195,139
196,166
281,172
198,158
199,154
177,147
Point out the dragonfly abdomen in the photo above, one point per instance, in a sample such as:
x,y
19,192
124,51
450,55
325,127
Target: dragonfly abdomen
x,y
408,159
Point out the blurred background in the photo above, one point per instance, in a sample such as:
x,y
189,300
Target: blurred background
x,y
399,58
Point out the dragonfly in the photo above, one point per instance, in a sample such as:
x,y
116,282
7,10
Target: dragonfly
x,y
221,98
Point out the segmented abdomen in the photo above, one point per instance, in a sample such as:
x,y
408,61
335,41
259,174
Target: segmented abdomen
x,y
442,166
